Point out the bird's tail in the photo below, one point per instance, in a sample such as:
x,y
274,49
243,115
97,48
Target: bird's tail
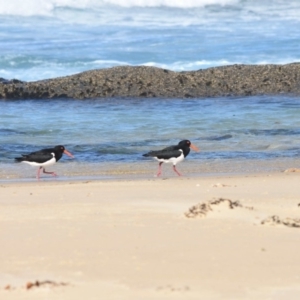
x,y
151,154
20,159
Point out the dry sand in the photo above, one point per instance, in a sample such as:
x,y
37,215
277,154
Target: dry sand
x,y
152,239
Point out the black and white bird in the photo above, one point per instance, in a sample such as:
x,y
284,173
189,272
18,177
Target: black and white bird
x,y
173,154
44,158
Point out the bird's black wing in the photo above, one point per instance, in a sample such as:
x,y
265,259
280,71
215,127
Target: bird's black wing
x,y
42,152
38,156
165,153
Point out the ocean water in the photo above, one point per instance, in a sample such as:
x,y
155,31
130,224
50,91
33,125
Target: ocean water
x,y
48,39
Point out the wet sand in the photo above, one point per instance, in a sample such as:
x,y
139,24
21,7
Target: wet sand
x,y
146,169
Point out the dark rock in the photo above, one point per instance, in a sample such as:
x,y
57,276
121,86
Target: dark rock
x,y
149,82
6,81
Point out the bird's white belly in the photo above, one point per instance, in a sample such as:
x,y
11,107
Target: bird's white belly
x,y
50,162
173,160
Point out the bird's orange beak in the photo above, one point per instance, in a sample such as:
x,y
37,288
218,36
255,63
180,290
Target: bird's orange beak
x,y
195,148
68,153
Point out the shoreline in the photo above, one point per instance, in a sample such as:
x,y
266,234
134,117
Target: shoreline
x,y
88,179
52,181
74,171
133,178
133,239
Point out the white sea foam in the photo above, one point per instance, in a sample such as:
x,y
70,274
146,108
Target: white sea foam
x,y
46,70
46,8
279,8
151,13
169,3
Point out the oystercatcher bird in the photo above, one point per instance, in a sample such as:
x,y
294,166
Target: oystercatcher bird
x,y
44,158
173,154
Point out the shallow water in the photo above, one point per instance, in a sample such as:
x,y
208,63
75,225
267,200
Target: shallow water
x,y
116,132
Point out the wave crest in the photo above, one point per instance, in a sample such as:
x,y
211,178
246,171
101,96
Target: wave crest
x,y
47,8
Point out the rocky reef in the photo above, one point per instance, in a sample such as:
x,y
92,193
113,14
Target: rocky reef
x,y
149,82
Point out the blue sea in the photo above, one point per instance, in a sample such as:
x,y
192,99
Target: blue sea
x,y
48,39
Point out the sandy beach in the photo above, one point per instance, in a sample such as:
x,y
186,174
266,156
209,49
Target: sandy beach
x,y
218,237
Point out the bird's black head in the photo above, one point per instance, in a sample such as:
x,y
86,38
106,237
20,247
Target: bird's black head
x,y
60,148
184,143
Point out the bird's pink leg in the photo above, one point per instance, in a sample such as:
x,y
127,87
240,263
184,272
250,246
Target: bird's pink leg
x,y
52,173
38,173
159,169
174,168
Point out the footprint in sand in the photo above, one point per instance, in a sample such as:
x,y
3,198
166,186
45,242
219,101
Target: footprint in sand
x,y
275,220
201,209
46,283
